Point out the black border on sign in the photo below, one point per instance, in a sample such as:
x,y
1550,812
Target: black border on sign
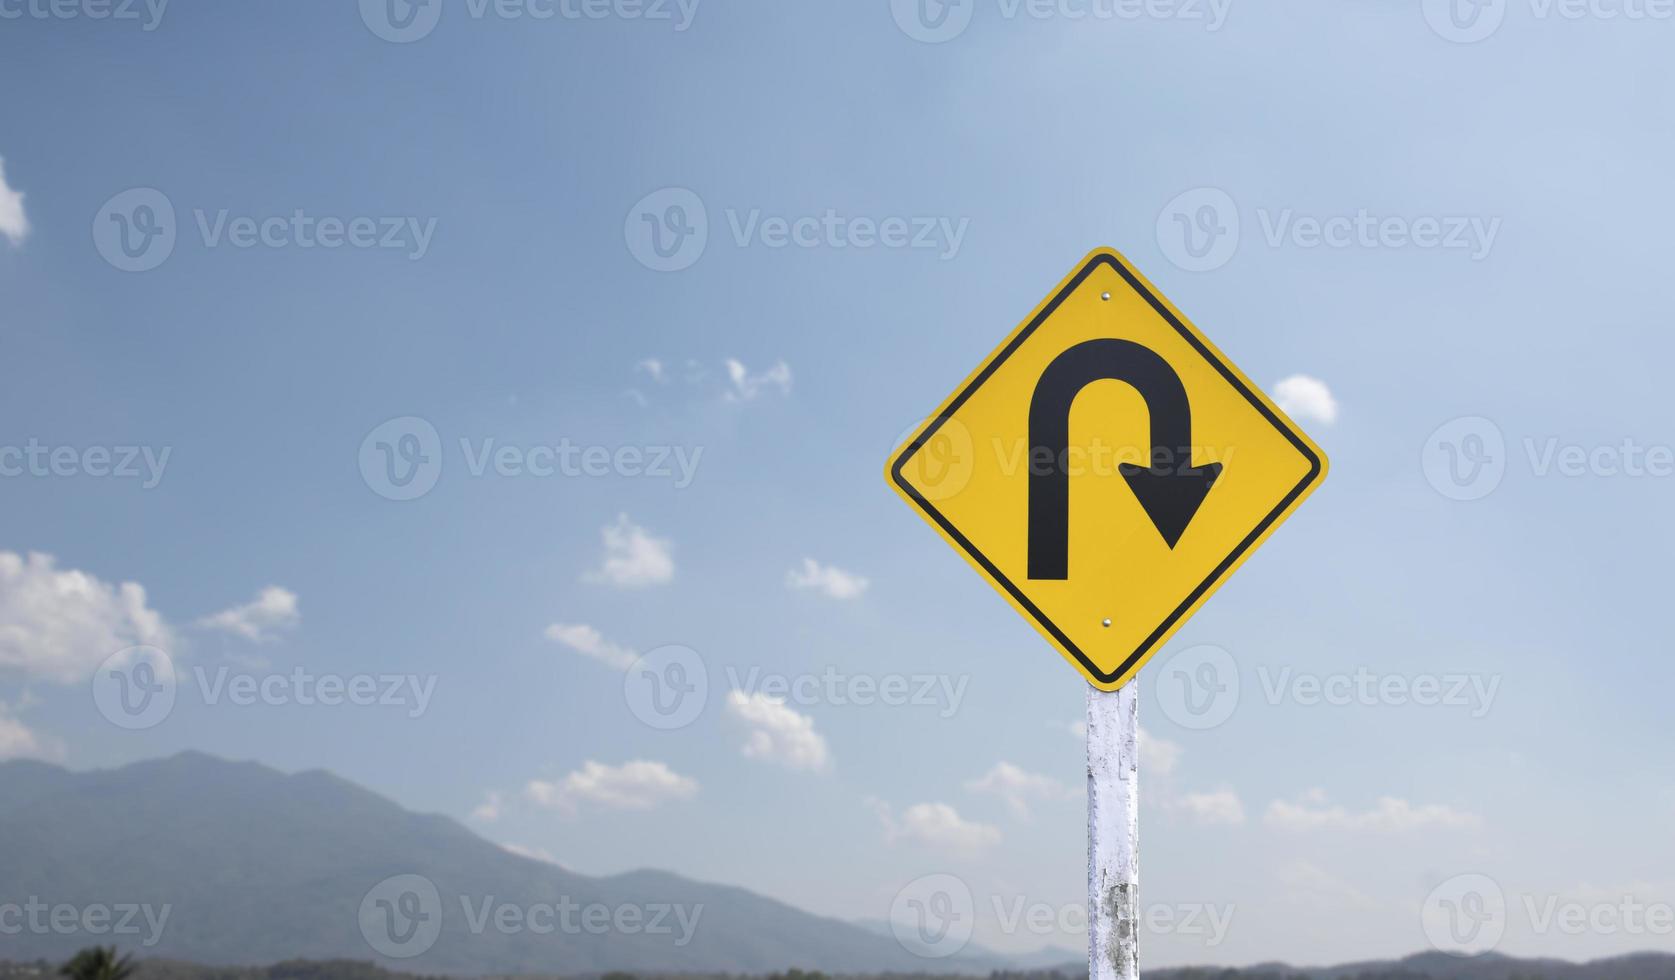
x,y
1215,574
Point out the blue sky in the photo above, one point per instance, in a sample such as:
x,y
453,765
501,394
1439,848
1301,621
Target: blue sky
x,y
1429,229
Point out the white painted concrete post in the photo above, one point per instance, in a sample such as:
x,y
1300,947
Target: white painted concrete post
x,y
1113,833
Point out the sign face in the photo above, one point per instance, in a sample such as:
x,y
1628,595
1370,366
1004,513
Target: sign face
x,y
1106,469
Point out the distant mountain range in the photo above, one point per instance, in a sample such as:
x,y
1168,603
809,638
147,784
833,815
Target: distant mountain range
x,y
1442,966
257,867
1427,966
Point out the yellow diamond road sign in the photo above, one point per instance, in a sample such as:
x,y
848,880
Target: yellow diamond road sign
x,y
1106,469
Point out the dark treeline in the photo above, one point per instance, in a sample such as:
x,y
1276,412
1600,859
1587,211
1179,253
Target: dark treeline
x,y
359,970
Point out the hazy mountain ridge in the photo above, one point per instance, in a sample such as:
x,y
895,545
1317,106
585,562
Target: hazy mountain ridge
x,y
259,867
1442,966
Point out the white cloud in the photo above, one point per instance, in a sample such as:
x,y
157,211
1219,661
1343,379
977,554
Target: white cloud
x,y
1157,755
59,625
589,642
1219,807
652,368
1305,398
260,620
1019,788
13,224
19,741
1391,814
747,386
834,583
487,811
1075,729
636,785
778,733
936,825
532,853
633,558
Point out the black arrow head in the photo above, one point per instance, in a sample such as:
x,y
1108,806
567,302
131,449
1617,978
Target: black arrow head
x,y
1170,495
